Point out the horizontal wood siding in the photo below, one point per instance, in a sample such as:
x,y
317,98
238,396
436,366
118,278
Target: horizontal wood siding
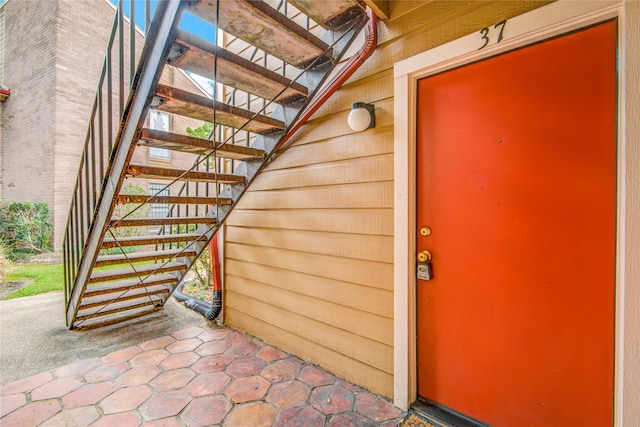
x,y
309,248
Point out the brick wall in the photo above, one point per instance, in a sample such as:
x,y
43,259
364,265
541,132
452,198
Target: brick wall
x,y
53,74
29,112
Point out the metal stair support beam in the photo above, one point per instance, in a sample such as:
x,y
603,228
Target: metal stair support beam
x,y
153,58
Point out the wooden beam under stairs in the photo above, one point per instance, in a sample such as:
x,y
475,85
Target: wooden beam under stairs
x,y
103,260
177,101
186,200
198,56
143,222
125,285
141,171
328,14
130,294
188,144
137,271
119,306
151,240
259,24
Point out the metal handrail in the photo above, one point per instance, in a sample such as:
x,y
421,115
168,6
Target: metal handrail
x,y
102,141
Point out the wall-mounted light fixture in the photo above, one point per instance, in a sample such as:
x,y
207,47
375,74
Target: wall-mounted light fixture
x,y
362,116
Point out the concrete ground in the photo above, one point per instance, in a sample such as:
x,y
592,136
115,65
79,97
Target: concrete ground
x,y
34,338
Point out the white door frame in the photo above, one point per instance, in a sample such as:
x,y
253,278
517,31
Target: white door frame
x,y
552,20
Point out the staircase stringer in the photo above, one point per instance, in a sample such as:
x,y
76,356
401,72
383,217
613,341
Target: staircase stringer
x,y
151,64
317,79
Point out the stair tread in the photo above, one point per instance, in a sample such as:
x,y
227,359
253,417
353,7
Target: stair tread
x,y
259,24
119,306
329,14
124,295
188,144
150,240
141,171
188,104
140,270
111,319
232,70
141,222
143,256
123,285
192,200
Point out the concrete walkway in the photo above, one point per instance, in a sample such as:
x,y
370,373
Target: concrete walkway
x,y
192,376
34,337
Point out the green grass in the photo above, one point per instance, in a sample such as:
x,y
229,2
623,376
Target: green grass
x,y
48,278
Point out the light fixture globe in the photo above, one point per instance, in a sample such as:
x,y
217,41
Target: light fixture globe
x,y
361,116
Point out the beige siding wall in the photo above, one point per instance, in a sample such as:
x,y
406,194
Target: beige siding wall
x,y
309,249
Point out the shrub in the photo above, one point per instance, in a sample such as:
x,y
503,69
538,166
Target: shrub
x,y
121,211
25,225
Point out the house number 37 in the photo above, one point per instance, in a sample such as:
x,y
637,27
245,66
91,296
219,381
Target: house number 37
x,y
499,27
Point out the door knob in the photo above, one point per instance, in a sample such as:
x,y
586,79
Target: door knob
x,y
424,256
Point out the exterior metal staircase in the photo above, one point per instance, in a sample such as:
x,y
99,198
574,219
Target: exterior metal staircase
x,y
277,56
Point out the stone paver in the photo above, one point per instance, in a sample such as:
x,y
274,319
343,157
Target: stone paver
x,y
184,345
11,402
137,376
315,377
255,414
33,414
88,394
281,370
288,394
247,389
125,399
149,357
26,384
245,367
300,417
106,372
332,399
170,380
56,388
193,377
182,360
77,417
165,404
210,383
205,411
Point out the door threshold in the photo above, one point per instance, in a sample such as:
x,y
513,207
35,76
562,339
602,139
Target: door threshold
x,y
442,416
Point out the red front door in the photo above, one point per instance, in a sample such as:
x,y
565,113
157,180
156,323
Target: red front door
x,y
517,183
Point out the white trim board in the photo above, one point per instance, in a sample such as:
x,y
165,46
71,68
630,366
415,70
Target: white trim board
x,y
552,20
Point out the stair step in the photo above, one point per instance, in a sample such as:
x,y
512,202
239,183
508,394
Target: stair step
x,y
259,24
103,260
198,56
112,319
140,171
120,306
150,240
169,220
329,14
177,101
124,285
189,144
184,200
139,271
129,294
